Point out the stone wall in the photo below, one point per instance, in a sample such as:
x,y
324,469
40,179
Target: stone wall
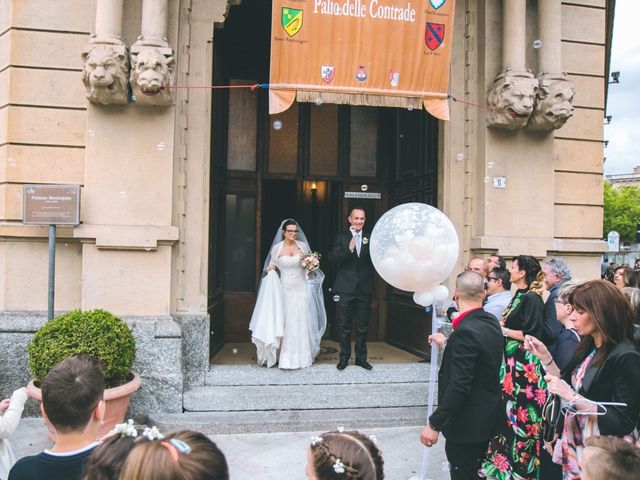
x,y
552,203
159,360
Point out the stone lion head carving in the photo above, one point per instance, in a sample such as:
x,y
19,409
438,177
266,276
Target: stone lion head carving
x,y
511,99
554,104
105,74
151,74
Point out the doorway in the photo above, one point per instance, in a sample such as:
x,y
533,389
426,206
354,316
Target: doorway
x,y
312,163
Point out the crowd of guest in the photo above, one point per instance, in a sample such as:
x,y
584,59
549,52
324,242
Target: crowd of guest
x,y
569,378
540,379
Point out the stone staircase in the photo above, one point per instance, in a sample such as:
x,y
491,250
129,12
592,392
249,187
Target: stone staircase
x,y
249,399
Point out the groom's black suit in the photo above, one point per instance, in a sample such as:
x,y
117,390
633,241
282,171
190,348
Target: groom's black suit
x,y
354,281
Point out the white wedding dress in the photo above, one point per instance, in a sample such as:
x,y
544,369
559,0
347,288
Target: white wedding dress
x,y
296,350
289,316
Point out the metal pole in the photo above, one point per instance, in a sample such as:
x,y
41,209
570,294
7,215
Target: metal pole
x,y
52,270
433,373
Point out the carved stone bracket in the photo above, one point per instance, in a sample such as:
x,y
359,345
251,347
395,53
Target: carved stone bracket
x,y
152,70
511,98
554,102
105,72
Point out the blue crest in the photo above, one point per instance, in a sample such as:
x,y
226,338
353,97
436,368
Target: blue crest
x,y
436,4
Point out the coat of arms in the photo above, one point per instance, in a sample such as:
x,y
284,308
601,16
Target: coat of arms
x,y
394,78
327,72
434,35
361,74
436,4
291,20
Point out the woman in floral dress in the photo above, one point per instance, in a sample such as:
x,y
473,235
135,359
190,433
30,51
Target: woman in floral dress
x,y
514,453
605,368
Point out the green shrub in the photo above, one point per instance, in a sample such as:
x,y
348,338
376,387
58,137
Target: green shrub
x,y
95,332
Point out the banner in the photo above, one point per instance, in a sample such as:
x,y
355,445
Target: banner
x,y
362,52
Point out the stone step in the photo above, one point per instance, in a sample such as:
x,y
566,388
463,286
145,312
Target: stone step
x,y
290,420
218,398
317,374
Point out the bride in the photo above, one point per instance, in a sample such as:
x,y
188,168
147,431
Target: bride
x,y
289,314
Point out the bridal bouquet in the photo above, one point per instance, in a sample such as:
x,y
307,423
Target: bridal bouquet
x,y
310,262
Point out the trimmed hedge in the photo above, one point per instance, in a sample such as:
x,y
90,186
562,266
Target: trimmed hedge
x,y
95,332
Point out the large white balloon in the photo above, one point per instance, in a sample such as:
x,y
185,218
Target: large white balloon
x,y
414,247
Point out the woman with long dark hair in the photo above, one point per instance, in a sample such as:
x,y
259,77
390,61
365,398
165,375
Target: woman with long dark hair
x,y
515,451
605,369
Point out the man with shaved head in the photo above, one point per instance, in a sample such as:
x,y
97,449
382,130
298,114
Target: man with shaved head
x,y
468,381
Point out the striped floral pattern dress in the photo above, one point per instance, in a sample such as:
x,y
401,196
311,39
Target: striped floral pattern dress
x,y
514,453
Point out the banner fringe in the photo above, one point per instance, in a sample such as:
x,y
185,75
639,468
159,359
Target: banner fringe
x,y
359,99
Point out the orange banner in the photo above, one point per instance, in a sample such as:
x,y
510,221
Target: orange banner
x,y
363,52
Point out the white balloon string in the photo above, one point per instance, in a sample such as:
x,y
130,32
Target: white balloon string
x,y
433,371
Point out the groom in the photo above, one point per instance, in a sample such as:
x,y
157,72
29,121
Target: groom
x,y
354,285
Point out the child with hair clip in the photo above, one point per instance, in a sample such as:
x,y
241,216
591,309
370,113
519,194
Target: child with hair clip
x,y
183,455
11,410
344,455
106,461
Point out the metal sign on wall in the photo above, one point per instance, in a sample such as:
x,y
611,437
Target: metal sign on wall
x,y
371,195
51,204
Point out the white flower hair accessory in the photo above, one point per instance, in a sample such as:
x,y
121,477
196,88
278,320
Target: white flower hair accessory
x,y
315,440
339,467
126,429
152,433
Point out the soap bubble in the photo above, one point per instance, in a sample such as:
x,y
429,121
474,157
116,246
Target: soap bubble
x,y
491,164
336,298
460,157
147,247
537,43
486,179
161,146
91,132
277,125
234,350
318,101
123,194
410,107
133,98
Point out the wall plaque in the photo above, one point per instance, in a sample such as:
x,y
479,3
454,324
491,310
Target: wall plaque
x,y
51,204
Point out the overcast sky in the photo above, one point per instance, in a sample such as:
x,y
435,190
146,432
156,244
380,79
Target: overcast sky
x,y
623,151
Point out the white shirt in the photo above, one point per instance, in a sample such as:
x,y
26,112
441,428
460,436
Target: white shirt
x,y
358,237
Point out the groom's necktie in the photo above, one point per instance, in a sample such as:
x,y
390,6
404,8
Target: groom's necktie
x,y
358,242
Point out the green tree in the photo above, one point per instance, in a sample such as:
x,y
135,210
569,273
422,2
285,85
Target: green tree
x,y
621,211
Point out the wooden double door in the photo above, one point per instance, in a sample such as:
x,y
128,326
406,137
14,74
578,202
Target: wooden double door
x,y
311,163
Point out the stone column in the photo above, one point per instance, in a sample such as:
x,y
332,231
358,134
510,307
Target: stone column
x,y
513,34
154,23
554,98
108,21
549,31
152,60
105,58
512,94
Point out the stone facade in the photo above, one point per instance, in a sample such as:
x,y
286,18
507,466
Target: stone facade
x,y
141,250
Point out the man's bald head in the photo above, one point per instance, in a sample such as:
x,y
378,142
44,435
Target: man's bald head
x,y
470,287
